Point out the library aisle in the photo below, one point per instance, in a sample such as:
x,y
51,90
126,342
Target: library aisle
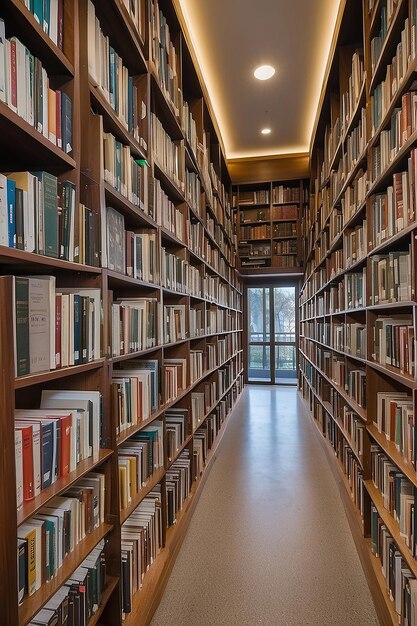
x,y
269,542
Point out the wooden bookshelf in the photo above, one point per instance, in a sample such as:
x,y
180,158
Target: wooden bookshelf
x,y
210,254
269,226
344,310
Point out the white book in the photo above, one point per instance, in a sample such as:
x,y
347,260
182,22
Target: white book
x,y
42,297
21,78
53,21
45,91
71,399
91,43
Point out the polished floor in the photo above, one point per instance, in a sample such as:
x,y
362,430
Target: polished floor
x,y
269,542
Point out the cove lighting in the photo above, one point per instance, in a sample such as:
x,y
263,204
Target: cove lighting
x,y
264,72
266,131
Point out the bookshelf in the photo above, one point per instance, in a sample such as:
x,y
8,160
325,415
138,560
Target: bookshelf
x,y
269,226
358,298
139,242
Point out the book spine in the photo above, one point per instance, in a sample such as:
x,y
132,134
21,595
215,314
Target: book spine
x,y
21,312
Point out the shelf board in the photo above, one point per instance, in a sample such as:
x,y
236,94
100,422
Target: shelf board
x,y
168,184
165,111
115,279
154,479
134,214
61,485
23,147
32,604
391,525
20,258
112,582
167,235
394,454
44,377
395,164
114,125
40,44
389,44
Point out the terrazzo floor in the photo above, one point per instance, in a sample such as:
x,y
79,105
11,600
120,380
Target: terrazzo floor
x,y
269,542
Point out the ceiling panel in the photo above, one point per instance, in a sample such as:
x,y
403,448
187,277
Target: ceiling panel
x,y
232,37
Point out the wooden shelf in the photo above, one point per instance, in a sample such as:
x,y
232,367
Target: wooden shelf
x,y
132,213
391,450
32,604
114,125
137,498
32,35
390,43
61,485
112,582
24,147
20,259
43,377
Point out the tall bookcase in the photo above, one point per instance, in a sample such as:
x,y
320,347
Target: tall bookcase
x,y
268,220
159,164
358,300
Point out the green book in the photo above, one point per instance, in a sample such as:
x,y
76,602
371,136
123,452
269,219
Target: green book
x,y
21,311
50,212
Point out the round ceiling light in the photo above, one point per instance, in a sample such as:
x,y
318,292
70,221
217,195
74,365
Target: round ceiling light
x,y
264,72
266,131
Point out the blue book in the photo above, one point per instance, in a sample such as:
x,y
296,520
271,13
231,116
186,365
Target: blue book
x,y
46,16
38,11
11,203
48,444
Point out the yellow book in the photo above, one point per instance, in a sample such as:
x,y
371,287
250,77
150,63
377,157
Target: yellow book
x,y
29,534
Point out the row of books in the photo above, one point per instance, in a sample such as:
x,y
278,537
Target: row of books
x,y
179,275
136,10
139,458
165,57
52,440
400,582
285,247
142,541
78,600
349,99
348,294
246,198
395,209
128,252
190,128
397,493
50,16
53,327
393,343
193,192
134,325
395,419
255,232
168,154
178,486
112,78
24,87
386,91
134,392
390,277
126,175
354,196
386,16
50,536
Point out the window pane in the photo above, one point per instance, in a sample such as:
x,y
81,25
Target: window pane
x,y
259,367
258,315
285,363
284,314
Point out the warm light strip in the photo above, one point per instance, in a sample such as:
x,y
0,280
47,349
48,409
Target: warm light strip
x,y
208,73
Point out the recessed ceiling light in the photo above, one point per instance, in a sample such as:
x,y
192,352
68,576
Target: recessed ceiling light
x,y
266,131
264,72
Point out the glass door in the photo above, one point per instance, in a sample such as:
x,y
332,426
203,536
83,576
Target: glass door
x,y
272,334
259,335
285,334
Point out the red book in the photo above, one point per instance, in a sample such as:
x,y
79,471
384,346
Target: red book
x,y
58,316
58,120
13,76
64,442
28,476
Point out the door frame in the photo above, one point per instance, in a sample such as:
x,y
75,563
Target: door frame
x,y
270,282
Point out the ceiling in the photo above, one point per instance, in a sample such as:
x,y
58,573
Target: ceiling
x,y
231,38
